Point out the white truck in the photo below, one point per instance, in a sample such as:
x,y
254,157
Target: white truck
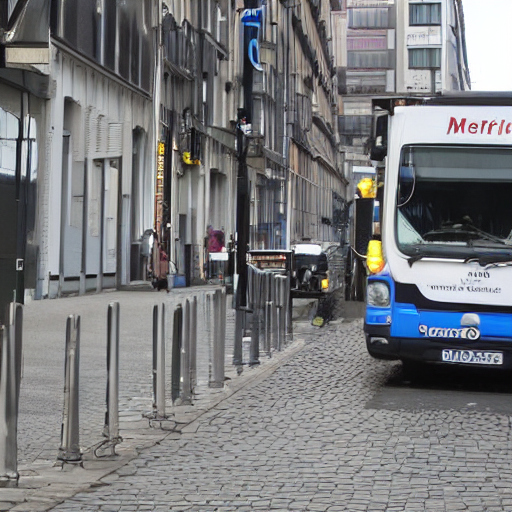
x,y
440,290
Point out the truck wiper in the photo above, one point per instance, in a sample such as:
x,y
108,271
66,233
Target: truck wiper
x,y
414,259
461,233
491,260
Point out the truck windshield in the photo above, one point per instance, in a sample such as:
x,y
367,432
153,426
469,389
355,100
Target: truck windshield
x,y
455,202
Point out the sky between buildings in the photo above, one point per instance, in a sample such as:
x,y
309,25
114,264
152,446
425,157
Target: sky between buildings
x,y
489,43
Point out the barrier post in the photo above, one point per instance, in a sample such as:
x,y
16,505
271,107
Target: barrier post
x,y
288,309
208,329
219,337
223,306
268,313
112,415
255,297
69,450
281,312
193,344
273,312
186,391
177,338
159,361
10,379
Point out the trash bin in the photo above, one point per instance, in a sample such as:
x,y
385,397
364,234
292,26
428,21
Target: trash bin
x,y
179,281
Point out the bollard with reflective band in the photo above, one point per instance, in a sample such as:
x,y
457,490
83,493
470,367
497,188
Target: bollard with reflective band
x,y
69,450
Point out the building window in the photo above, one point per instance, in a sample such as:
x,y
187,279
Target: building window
x,y
358,60
425,14
355,125
425,58
373,17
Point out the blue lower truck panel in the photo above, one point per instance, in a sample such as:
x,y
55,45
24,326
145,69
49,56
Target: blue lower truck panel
x,y
402,331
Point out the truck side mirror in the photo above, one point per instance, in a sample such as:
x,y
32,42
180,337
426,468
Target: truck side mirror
x,y
379,146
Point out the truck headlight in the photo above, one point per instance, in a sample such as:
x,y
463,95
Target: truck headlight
x,y
377,294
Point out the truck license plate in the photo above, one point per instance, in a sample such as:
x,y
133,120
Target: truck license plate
x,y
472,357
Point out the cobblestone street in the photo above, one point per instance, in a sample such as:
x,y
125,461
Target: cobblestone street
x,y
309,437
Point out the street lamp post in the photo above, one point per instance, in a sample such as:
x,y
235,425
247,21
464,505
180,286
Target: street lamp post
x,y
251,21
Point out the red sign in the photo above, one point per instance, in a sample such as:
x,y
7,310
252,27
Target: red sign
x,y
483,127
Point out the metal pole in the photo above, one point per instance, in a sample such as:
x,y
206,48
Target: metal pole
x,y
10,379
254,357
186,391
177,337
111,430
274,310
281,327
208,321
288,309
70,438
159,362
223,306
217,377
193,343
267,304
155,355
160,374
242,240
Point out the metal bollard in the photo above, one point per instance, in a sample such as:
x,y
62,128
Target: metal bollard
x,y
219,339
10,379
268,302
238,340
186,388
159,362
111,427
207,311
112,415
193,343
288,308
254,355
281,300
273,312
223,306
69,450
177,338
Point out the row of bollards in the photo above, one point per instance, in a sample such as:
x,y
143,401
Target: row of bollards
x,y
184,349
183,382
270,303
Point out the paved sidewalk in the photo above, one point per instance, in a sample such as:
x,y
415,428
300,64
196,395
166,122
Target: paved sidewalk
x,y
42,482
328,431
